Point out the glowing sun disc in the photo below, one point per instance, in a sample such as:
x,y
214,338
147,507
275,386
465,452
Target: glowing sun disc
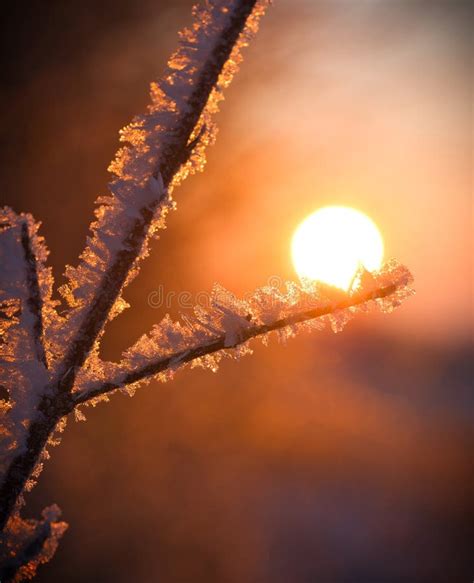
x,y
333,242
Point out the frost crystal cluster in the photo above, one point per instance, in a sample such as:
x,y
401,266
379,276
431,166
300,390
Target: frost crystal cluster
x,y
49,359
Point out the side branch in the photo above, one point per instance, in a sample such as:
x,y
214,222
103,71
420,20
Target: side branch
x,y
30,551
26,544
135,201
219,343
34,301
172,158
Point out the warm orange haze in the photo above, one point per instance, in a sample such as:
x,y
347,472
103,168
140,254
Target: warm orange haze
x,y
333,243
343,142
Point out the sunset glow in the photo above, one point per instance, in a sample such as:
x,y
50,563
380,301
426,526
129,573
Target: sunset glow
x,y
331,244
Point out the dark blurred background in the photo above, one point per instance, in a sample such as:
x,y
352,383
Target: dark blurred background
x,y
334,458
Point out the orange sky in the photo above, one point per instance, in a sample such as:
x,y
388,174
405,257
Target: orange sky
x,y
358,103
356,443
371,110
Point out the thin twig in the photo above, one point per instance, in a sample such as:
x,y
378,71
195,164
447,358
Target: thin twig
x,y
169,164
219,343
35,301
52,408
32,548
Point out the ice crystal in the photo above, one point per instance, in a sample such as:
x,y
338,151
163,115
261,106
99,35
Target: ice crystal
x,y
139,201
225,328
25,544
25,307
50,365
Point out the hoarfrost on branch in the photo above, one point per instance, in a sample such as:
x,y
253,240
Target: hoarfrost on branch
x,y
50,363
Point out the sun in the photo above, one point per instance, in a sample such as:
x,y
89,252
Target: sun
x,y
333,242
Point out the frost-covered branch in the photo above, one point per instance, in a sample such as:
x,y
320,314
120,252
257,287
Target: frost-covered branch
x,y
164,145
21,297
25,304
27,308
231,323
34,301
25,544
49,363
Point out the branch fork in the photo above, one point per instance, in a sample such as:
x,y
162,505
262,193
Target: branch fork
x,y
49,358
